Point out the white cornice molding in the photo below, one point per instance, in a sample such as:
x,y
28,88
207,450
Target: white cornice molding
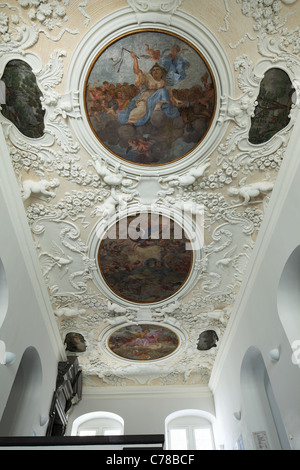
x,y
181,391
289,167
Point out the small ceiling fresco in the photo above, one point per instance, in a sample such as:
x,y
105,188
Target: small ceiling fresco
x,y
150,97
143,342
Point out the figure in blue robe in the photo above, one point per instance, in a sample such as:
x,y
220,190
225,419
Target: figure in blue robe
x,y
153,95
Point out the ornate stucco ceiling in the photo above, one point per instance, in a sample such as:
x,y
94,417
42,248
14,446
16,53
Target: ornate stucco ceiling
x,y
75,185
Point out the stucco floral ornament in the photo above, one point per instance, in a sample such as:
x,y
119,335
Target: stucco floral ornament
x,y
155,5
3,23
4,28
266,14
47,13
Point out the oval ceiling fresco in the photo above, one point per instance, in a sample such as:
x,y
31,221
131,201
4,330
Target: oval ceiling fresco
x,y
150,97
145,258
143,342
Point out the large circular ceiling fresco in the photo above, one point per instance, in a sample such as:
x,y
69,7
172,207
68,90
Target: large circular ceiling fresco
x,y
143,342
145,258
150,97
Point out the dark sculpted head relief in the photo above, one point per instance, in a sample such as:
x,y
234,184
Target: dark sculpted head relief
x,y
150,97
75,342
145,258
23,105
272,113
207,339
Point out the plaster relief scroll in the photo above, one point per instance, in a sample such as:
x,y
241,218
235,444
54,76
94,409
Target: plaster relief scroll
x,y
157,10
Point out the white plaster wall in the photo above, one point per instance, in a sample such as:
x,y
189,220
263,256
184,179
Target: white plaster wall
x,y
26,323
257,320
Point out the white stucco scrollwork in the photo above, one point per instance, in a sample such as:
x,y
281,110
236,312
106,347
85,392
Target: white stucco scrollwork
x,y
159,10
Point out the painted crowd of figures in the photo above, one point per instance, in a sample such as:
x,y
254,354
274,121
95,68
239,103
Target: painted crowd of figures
x,y
143,342
155,119
147,269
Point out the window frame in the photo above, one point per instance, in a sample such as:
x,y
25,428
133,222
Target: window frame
x,y
190,421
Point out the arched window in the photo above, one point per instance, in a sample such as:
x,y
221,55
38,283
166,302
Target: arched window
x,y
189,430
98,423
